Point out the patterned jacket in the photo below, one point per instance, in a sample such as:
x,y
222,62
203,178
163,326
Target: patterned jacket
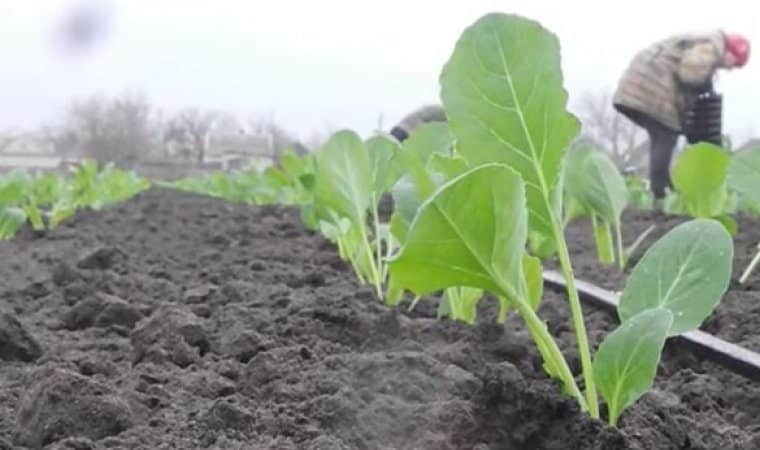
x,y
663,80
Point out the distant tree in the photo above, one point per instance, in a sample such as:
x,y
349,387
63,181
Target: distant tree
x,y
111,130
608,130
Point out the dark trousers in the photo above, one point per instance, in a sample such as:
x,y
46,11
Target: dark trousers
x,y
662,142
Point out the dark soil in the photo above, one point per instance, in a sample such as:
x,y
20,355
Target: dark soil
x,y
180,322
737,319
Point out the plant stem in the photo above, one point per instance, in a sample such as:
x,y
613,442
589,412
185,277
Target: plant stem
x,y
540,332
619,239
373,266
750,267
577,314
378,241
415,300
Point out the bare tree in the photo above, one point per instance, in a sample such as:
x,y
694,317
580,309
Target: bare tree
x,y
117,130
607,129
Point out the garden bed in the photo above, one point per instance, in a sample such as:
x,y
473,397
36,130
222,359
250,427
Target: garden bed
x,y
178,321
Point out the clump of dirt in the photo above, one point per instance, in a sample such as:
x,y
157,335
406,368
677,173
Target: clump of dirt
x,y
177,321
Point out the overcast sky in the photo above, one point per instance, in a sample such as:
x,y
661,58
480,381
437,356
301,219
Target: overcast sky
x,y
327,62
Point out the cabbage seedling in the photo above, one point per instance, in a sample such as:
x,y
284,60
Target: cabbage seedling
x,y
505,102
594,183
502,89
700,177
460,239
350,178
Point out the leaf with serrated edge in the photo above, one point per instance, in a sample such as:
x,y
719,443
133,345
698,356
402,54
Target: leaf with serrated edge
x,y
686,272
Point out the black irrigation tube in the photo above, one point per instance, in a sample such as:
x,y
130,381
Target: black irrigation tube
x,y
735,358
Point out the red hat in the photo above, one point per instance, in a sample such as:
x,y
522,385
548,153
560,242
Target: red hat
x,y
739,47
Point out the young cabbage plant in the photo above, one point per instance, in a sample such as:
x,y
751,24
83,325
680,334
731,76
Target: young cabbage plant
x,y
596,187
22,197
472,232
700,177
744,178
349,182
639,195
430,160
468,244
672,290
505,102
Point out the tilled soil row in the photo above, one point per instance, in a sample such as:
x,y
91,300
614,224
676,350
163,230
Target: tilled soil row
x,y
175,321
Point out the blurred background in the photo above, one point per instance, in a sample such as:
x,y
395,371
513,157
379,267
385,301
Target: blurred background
x,y
224,83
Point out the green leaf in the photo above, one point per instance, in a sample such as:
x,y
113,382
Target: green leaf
x,y
15,187
460,303
729,223
673,204
605,191
386,167
744,174
505,102
418,149
625,365
541,245
12,219
639,195
699,175
406,202
450,166
686,272
35,216
471,232
427,140
344,179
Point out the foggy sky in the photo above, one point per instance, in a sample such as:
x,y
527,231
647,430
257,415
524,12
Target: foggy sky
x,y
316,63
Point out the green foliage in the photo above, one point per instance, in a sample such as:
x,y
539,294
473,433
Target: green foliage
x,y
686,272
502,89
472,233
505,102
626,363
699,174
675,286
45,200
639,195
350,179
594,187
744,178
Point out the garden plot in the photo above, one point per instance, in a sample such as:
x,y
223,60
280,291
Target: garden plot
x,y
183,321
